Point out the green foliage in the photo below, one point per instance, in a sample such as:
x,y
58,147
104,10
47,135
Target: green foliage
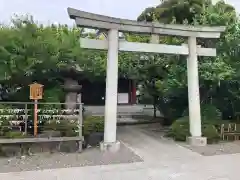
x,y
6,130
93,124
55,95
208,112
14,135
4,127
69,128
30,52
210,131
179,130
219,77
172,10
33,52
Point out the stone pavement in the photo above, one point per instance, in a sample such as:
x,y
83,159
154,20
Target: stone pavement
x,y
163,160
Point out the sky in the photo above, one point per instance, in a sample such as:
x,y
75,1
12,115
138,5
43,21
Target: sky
x,y
52,11
55,11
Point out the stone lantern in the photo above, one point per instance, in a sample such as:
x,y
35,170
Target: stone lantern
x,y
72,88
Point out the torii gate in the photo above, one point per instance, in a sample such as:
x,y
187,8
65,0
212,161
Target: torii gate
x,y
113,45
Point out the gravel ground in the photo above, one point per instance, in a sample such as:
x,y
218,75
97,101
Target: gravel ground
x,y
157,132
89,157
215,149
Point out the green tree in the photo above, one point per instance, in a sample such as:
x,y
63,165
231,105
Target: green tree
x,y
177,10
215,73
31,52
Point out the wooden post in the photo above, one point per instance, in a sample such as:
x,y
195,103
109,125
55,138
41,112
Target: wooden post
x,y
36,92
35,117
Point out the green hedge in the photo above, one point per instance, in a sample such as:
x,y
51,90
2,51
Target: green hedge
x,y
179,130
208,112
14,135
210,132
93,124
69,128
66,128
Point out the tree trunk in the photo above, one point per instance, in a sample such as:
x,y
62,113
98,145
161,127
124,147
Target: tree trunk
x,y
154,106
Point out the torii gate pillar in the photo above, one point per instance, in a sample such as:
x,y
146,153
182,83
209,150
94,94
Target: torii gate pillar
x,y
193,95
110,124
112,44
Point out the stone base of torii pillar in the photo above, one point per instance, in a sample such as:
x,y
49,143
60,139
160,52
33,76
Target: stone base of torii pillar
x,y
197,141
110,147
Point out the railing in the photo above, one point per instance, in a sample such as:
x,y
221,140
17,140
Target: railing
x,y
18,117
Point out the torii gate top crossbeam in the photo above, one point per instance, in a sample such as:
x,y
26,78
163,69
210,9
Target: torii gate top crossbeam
x,y
90,20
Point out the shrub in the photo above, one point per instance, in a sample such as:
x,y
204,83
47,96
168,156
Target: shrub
x,y
179,130
208,112
14,135
4,127
93,124
69,128
211,133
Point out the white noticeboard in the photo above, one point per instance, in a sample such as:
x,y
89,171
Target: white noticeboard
x,y
123,98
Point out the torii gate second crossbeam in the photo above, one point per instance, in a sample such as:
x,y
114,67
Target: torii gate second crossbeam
x,y
113,45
